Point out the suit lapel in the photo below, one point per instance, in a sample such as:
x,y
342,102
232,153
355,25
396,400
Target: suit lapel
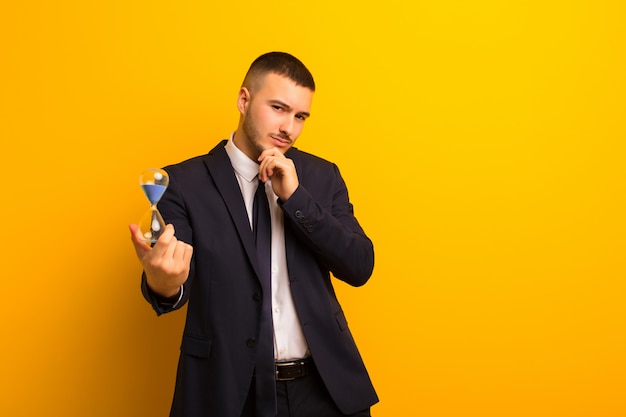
x,y
223,175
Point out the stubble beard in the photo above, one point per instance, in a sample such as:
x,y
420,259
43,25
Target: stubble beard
x,y
253,136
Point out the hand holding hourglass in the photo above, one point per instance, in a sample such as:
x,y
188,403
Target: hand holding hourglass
x,y
153,182
166,263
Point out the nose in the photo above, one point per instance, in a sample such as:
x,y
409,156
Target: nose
x,y
286,126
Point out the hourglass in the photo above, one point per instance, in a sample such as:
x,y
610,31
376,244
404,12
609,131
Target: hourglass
x,y
153,181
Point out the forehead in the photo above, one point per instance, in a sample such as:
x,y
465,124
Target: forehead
x,y
280,88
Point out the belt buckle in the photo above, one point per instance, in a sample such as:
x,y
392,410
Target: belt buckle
x,y
287,364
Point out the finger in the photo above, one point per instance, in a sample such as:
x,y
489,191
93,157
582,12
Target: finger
x,y
188,254
170,252
182,254
162,245
263,170
266,173
271,152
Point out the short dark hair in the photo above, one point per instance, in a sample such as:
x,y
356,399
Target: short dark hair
x,y
280,63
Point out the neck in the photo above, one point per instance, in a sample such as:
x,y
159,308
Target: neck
x,y
242,142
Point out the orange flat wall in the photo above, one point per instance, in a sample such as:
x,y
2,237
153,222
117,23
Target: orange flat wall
x,y
482,141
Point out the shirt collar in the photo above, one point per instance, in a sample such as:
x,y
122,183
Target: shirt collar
x,y
243,165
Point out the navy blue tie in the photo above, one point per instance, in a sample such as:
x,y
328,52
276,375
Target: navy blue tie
x,y
265,368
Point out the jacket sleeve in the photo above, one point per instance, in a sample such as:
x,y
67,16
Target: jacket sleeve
x,y
323,219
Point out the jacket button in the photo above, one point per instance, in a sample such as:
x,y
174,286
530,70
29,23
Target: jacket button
x,y
298,214
256,296
251,342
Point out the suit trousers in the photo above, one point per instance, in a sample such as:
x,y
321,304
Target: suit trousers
x,y
302,397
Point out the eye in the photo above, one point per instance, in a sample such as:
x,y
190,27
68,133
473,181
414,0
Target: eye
x,y
276,107
301,117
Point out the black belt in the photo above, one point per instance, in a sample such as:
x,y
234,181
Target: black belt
x,y
288,371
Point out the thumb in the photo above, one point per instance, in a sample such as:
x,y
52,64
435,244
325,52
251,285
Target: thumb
x,y
141,247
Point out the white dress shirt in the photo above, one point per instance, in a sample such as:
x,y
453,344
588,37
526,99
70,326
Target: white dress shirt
x,y
289,341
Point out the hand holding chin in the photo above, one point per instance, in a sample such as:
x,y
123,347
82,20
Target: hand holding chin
x,y
274,165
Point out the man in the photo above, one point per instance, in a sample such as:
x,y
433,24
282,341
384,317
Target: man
x,y
265,335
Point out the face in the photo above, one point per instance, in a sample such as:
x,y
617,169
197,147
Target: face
x,y
272,116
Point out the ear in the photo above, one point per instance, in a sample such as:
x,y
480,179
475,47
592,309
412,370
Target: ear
x,y
243,100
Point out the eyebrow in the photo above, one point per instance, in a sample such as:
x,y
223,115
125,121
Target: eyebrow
x,y
287,106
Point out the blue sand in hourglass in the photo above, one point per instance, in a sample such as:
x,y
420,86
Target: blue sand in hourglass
x,y
154,192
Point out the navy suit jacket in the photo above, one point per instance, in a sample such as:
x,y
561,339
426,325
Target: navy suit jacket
x,y
223,291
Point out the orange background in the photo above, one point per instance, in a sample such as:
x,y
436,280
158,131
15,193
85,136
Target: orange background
x,y
482,142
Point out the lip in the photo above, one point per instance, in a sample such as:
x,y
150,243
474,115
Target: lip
x,y
280,142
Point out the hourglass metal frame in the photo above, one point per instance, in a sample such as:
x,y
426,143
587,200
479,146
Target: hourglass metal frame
x,y
154,182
